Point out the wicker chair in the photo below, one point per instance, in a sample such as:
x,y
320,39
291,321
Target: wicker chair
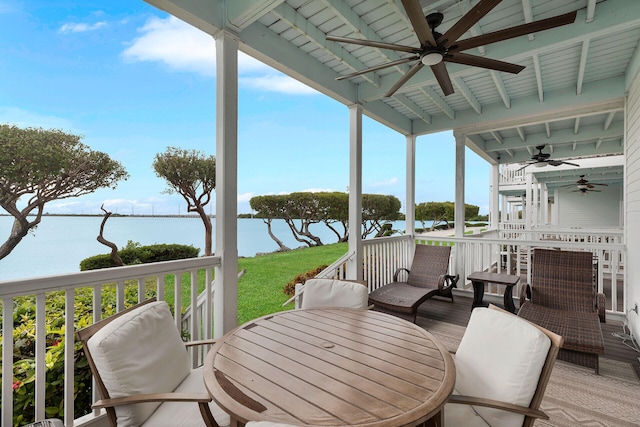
x,y
427,278
562,298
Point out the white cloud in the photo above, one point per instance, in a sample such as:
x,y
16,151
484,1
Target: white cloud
x,y
244,197
182,47
391,182
278,83
80,27
24,118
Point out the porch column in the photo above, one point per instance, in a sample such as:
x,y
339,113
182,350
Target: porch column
x,y
354,265
494,209
544,202
527,211
410,196
459,201
225,301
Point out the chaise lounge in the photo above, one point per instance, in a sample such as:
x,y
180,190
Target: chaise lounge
x,y
562,298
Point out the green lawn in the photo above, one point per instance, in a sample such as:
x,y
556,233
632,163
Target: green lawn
x,y
260,290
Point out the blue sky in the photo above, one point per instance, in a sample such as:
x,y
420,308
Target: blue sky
x,y
132,81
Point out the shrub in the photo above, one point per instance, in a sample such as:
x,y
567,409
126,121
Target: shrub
x,y
24,336
133,253
290,288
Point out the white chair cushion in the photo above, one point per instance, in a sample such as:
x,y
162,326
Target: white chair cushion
x,y
334,293
140,352
181,414
500,357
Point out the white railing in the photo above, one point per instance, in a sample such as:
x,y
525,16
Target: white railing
x,y
139,280
381,258
512,175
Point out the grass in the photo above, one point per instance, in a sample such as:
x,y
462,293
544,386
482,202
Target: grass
x,y
260,290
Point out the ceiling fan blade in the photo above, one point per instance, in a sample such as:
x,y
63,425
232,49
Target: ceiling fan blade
x,y
381,45
524,167
518,30
442,75
378,67
419,22
467,21
569,163
412,71
482,62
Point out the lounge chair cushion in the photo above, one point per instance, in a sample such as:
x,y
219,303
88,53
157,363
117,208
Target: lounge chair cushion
x,y
266,424
334,293
500,357
157,348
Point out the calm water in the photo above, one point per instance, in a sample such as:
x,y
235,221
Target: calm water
x,y
59,243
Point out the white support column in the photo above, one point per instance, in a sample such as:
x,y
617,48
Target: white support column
x,y
536,204
410,196
527,212
225,302
459,201
354,266
494,208
544,202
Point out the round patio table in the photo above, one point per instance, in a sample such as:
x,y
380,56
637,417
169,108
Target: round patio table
x,y
330,367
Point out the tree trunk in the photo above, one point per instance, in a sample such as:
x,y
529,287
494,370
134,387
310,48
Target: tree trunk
x,y
208,230
20,228
114,249
281,246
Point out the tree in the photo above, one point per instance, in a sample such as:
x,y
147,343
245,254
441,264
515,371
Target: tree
x,y
191,174
439,212
377,212
436,212
38,166
301,210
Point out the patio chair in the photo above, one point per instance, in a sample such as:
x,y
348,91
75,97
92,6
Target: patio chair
x,y
142,370
427,278
562,298
503,364
323,293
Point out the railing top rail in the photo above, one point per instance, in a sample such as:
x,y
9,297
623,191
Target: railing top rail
x,y
537,243
18,287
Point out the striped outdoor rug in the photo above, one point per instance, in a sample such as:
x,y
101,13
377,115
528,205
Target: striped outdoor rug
x,y
575,396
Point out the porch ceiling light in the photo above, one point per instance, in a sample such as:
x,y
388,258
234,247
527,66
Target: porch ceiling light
x,y
540,164
432,58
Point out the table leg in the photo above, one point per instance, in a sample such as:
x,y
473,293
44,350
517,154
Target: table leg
x,y
508,299
436,421
478,294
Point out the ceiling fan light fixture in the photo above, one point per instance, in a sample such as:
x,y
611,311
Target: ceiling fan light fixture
x,y
540,164
431,58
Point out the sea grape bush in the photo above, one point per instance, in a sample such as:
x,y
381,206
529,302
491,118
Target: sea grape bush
x,y
134,253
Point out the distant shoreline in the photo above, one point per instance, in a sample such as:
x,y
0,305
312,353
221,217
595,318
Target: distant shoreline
x,y
115,215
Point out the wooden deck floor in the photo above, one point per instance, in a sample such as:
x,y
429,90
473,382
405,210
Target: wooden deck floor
x,y
458,313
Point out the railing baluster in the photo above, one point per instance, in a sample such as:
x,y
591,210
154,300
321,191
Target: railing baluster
x,y
41,350
69,341
7,362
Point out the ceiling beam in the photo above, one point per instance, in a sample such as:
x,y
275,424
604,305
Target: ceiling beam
x,y
563,136
302,25
603,95
242,13
614,16
464,90
583,65
357,25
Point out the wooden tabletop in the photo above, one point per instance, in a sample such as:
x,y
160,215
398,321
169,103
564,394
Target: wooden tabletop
x,y
330,367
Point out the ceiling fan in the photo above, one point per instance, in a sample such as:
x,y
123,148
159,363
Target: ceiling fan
x,y
436,49
584,185
541,159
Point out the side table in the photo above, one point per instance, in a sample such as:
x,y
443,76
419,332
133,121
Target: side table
x,y
480,278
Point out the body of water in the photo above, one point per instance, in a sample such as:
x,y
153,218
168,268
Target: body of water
x,y
59,243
